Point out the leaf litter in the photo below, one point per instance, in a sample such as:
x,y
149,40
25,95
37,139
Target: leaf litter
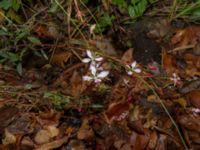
x,y
93,94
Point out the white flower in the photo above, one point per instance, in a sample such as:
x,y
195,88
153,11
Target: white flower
x,y
96,77
133,68
176,79
91,58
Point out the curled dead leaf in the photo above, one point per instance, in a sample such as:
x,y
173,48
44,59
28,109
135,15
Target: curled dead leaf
x,y
117,111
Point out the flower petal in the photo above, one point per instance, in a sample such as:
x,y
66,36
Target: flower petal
x,y
87,78
133,65
97,80
93,69
86,60
103,74
137,70
129,72
99,59
89,54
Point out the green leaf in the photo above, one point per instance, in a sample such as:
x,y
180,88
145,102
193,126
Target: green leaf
x,y
120,3
5,4
137,9
14,16
16,4
19,68
54,7
131,11
103,22
13,57
134,2
44,54
196,12
34,40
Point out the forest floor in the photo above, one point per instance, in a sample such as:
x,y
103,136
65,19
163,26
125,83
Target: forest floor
x,y
84,75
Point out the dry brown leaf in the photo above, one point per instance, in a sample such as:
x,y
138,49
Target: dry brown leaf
x,y
53,131
136,126
9,138
153,140
42,136
49,118
117,111
139,141
77,86
60,58
190,122
168,63
85,131
53,145
162,141
181,101
127,57
193,97
186,36
122,145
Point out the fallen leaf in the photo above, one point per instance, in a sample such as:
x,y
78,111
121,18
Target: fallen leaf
x,y
7,115
53,131
122,145
138,141
117,111
153,140
193,97
127,57
53,145
168,63
186,36
60,58
85,131
161,143
77,86
9,138
136,126
181,101
42,136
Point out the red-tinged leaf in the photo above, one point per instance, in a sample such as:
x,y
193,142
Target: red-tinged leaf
x,y
186,36
168,63
193,97
41,30
153,140
138,141
117,111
